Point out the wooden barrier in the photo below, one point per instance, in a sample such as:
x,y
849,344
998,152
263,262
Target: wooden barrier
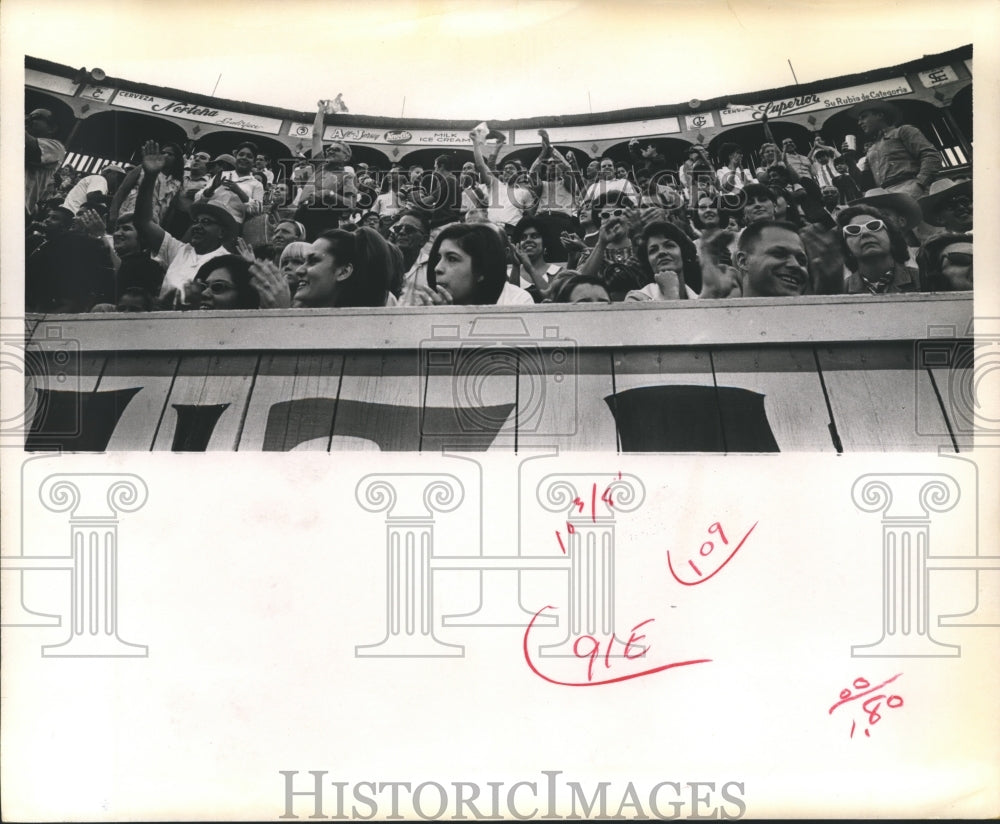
x,y
843,373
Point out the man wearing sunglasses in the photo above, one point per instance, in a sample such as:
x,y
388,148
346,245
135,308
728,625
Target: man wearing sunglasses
x,y
949,205
409,233
875,252
214,223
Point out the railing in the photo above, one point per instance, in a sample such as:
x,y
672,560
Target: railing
x,y
829,374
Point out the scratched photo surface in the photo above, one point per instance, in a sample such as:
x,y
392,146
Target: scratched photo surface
x,y
568,577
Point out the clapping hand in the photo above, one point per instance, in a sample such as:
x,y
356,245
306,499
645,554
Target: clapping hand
x,y
92,223
421,295
270,283
572,242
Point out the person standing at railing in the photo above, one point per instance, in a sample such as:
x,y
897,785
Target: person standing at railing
x,y
900,158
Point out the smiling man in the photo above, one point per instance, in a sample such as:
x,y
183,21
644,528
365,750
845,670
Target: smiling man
x,y
213,224
772,261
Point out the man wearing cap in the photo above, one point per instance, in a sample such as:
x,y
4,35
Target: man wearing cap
x,y
95,187
42,154
732,176
214,222
900,158
949,205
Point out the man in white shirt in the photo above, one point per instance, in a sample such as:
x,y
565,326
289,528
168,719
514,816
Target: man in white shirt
x,y
607,183
92,187
262,164
240,181
507,200
732,176
410,234
213,224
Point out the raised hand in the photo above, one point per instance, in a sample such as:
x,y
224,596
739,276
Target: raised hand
x,y
270,283
153,160
245,250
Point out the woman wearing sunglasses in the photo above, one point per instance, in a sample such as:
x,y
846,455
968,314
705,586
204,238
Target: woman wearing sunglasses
x,y
613,259
222,283
875,251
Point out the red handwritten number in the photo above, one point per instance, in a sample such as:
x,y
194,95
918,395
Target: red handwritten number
x,y
717,527
606,497
595,648
704,551
617,680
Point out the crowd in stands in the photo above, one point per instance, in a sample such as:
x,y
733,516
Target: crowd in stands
x,y
240,230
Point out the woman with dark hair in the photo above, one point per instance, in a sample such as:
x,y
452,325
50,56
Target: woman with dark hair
x,y
168,183
223,283
387,204
467,266
530,269
345,269
670,260
572,287
875,251
136,268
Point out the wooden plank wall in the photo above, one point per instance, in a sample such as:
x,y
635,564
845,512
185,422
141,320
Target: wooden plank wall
x,y
848,397
725,377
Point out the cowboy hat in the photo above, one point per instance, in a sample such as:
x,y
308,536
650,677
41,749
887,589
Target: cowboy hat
x,y
896,201
890,109
940,191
